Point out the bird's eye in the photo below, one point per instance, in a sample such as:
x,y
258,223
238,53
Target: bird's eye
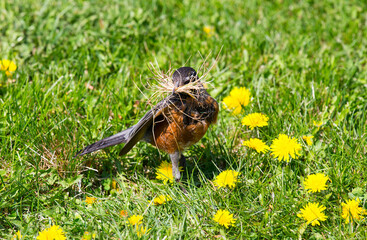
x,y
187,80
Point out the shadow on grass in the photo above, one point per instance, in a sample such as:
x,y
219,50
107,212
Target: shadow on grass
x,y
144,159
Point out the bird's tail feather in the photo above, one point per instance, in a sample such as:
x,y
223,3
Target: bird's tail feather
x,y
121,137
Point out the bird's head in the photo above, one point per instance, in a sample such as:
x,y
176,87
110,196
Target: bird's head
x,y
183,76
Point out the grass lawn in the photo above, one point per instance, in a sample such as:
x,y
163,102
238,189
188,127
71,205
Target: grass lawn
x,y
83,74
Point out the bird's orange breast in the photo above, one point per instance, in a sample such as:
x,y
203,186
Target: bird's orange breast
x,y
175,133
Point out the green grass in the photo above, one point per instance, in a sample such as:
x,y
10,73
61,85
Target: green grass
x,y
303,61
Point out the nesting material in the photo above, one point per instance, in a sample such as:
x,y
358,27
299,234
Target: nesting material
x,y
165,86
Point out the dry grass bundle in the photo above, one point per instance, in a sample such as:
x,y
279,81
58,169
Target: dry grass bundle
x,y
165,86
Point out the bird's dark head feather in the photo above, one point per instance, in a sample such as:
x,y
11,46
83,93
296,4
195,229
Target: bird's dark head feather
x,y
183,76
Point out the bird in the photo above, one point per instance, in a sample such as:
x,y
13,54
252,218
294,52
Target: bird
x,y
175,123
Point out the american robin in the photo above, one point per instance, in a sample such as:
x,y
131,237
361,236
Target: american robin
x,y
174,124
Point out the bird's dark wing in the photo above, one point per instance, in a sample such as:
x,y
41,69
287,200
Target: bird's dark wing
x,y
131,135
138,131
120,137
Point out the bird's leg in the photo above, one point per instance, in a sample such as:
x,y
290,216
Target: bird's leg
x,y
175,159
178,159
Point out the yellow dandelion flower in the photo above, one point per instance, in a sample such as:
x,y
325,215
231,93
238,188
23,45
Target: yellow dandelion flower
x,y
238,98
317,124
226,178
88,236
308,140
8,66
123,213
162,199
90,200
17,236
209,30
284,146
164,172
351,211
255,120
313,213
135,220
114,184
224,218
54,232
141,231
256,144
316,182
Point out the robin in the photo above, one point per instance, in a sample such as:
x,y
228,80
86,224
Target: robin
x,y
174,124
